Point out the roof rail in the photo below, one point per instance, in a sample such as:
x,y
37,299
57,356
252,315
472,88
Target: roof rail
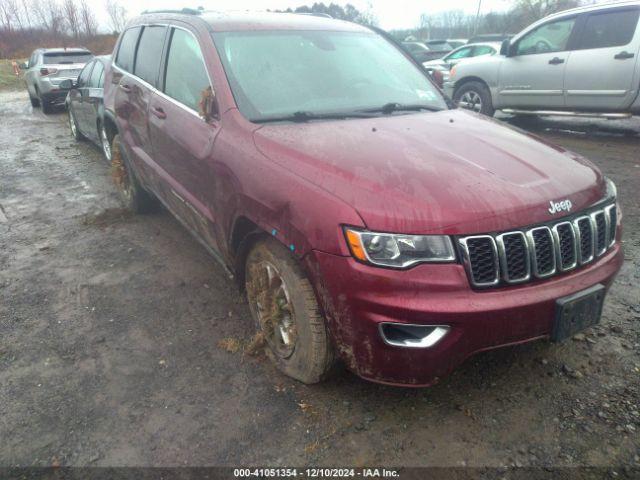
x,y
315,14
184,11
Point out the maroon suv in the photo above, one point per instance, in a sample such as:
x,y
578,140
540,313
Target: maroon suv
x,y
366,220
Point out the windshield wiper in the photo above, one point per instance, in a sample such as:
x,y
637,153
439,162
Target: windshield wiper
x,y
304,116
391,107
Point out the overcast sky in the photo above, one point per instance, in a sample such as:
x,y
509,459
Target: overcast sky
x,y
390,13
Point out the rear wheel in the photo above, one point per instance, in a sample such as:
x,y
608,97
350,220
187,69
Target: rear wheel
x,y
34,101
132,194
47,108
474,96
286,313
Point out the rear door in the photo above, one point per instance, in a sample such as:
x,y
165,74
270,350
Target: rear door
x,y
136,72
532,75
600,72
182,139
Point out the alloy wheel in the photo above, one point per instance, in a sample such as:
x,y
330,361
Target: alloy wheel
x,y
106,145
270,299
471,100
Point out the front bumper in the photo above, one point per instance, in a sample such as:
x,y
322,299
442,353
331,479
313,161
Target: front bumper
x,y
357,298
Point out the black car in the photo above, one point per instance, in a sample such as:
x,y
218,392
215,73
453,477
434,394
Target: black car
x,y
85,104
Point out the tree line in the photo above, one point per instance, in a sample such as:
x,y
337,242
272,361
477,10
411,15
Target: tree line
x,y
29,24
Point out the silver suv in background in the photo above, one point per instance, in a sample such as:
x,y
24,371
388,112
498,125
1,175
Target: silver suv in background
x,y
578,62
47,68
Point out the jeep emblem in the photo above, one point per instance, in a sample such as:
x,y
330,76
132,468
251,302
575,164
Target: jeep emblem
x,y
564,205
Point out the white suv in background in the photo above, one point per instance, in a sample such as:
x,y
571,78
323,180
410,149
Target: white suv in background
x,y
578,62
47,68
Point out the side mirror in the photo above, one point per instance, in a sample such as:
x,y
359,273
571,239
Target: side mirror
x,y
208,105
66,84
505,47
23,66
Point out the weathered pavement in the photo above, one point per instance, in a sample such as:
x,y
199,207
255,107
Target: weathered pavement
x,y
110,354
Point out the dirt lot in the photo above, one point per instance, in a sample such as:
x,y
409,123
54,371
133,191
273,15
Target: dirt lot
x,y
111,352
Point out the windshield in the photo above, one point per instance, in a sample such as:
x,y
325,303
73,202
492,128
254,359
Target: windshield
x,y
279,73
62,58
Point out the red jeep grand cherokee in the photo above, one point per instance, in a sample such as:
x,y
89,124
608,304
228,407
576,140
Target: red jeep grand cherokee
x,y
366,219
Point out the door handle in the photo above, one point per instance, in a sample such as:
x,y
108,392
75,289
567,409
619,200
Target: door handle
x,y
125,88
556,61
623,55
159,112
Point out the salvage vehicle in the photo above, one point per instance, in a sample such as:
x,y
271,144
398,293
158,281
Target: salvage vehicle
x,y
47,68
85,106
580,62
322,167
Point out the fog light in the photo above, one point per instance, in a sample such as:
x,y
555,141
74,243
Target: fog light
x,y
412,336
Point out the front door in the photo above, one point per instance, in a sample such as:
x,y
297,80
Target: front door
x,y
532,76
182,140
600,73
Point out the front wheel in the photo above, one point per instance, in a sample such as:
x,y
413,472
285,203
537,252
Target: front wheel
x,y
105,143
73,126
474,96
286,313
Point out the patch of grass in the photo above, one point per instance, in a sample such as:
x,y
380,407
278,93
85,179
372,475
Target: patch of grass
x,y
8,79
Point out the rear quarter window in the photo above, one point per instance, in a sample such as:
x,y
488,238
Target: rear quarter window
x,y
609,29
127,49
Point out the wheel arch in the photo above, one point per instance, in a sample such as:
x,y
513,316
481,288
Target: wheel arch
x,y
471,78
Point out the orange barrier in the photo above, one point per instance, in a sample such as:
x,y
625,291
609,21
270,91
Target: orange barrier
x,y
16,68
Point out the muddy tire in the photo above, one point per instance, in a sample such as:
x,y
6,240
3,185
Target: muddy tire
x,y
474,96
73,127
134,197
286,313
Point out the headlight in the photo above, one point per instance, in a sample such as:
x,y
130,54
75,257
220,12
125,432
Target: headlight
x,y
399,251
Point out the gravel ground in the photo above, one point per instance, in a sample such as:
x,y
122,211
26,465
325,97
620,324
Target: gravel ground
x,y
119,337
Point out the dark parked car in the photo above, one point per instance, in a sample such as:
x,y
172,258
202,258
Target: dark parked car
x,y
418,51
324,169
85,104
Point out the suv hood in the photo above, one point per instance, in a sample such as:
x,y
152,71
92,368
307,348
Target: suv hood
x,y
450,172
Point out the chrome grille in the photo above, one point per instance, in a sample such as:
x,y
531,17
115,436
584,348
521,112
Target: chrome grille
x,y
482,256
538,252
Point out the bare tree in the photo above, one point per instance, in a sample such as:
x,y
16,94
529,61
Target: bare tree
x,y
26,13
6,16
117,15
88,23
72,18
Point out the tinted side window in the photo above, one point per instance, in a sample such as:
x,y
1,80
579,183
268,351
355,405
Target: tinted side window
x,y
186,76
96,75
149,54
483,50
550,37
462,53
83,79
127,50
612,29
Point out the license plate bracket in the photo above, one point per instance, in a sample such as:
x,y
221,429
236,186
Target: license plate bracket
x,y
577,312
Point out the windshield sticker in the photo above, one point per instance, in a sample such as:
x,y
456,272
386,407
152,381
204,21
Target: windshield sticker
x,y
426,94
